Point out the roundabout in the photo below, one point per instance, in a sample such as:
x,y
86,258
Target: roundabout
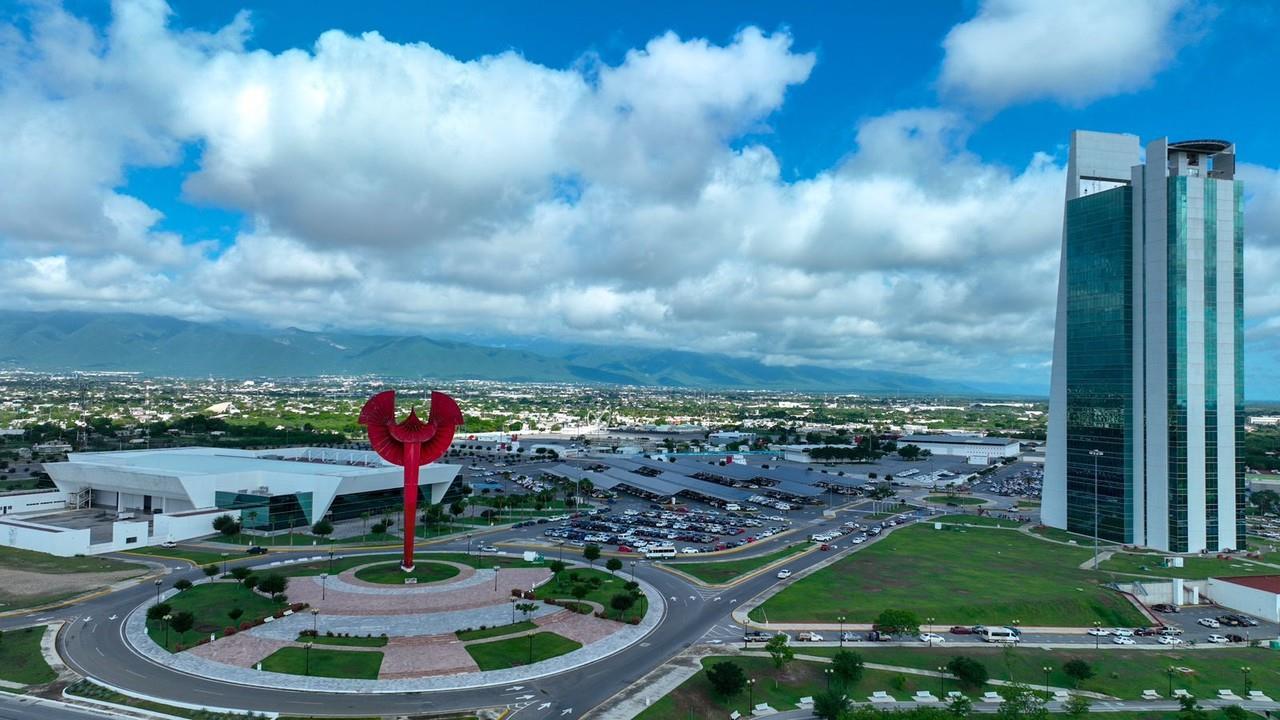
x,y
346,634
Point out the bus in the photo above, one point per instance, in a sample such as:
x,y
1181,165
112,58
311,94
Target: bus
x,y
999,635
660,551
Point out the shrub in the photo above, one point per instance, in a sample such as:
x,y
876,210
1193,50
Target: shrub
x,y
228,631
245,625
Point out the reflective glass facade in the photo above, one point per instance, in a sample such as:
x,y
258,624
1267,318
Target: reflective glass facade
x,y
1099,247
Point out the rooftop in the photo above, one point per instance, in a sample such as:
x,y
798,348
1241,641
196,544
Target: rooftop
x,y
217,461
1269,583
956,439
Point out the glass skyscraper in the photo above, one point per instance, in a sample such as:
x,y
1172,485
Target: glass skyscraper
x,y
1146,405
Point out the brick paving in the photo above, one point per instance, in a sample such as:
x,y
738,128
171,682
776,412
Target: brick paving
x,y
341,599
425,656
241,649
585,629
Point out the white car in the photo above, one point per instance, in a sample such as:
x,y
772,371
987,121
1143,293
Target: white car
x,y
1121,632
689,550
169,544
1119,640
809,637
932,638
1099,632
1209,622
1169,640
488,548
784,574
1216,638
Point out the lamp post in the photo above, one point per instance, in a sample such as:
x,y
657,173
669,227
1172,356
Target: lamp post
x,y
166,619
841,620
942,682
1096,626
157,591
513,611
633,571
330,560
324,578
468,547
827,672
315,628
1046,670
531,648
751,692
1169,671
1096,453
928,625
1248,683
224,563
495,577
307,668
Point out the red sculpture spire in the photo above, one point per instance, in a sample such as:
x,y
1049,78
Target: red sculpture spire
x,y
410,444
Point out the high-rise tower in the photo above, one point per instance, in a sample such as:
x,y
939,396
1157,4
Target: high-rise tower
x,y
1146,406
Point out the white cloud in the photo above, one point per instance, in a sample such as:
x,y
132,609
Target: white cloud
x,y
1072,52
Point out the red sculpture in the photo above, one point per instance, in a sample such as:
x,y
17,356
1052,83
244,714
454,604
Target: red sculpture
x,y
410,444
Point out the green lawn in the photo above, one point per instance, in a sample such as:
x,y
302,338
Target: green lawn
x,y
86,689
955,500
1122,673
1194,568
497,631
346,563
391,574
66,585
983,520
198,557
20,658
610,585
209,602
957,575
354,664
1064,536
502,654
781,689
725,571
376,641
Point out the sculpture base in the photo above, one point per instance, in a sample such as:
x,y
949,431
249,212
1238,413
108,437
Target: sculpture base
x,y
406,568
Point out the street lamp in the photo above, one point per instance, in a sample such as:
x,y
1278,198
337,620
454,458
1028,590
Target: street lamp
x,y
751,692
324,577
841,620
1169,671
307,668
331,560
468,546
1046,670
166,619
1096,635
928,625
315,630
1248,683
942,682
1096,453
827,672
633,571
513,611
495,577
224,563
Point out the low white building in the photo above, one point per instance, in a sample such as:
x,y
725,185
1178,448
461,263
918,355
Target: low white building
x,y
1257,595
977,448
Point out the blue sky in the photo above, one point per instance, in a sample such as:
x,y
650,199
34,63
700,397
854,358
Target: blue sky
x,y
875,186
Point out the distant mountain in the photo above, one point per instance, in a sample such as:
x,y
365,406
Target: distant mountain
x,y
66,341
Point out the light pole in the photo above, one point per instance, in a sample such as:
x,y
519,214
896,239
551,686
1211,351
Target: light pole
x,y
1096,626
633,571
324,577
1046,670
827,672
330,560
1248,683
751,692
166,619
531,648
1096,453
468,546
928,625
224,563
307,669
841,619
1169,671
942,682
157,591
513,611
315,629
495,577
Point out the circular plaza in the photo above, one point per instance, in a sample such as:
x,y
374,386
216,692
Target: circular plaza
x,y
360,624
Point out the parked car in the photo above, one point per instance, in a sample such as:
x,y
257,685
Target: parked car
x,y
1166,608
961,630
1099,632
1145,632
625,549
169,544
1209,622
1229,620
1122,632
256,550
932,638
877,636
1216,638
1124,640
755,636
1170,630
1169,640
850,636
1231,637
784,574
809,637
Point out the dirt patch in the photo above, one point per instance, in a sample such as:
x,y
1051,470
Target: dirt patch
x,y
24,588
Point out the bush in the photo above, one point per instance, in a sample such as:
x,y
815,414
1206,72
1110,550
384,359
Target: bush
x,y
970,672
245,626
378,528
727,678
228,631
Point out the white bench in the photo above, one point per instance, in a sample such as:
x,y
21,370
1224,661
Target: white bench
x,y
805,702
1258,696
763,709
924,696
1150,695
1180,693
1227,695
880,696
991,697
953,694
1061,695
735,715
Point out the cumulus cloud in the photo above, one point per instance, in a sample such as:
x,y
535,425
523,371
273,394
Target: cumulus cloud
x,y
1071,52
390,186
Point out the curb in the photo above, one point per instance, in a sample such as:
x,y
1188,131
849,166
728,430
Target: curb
x,y
161,701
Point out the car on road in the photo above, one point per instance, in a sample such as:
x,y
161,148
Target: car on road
x,y
1099,632
1232,637
932,638
169,544
489,548
1166,608
1122,632
961,630
848,636
1170,630
755,636
1216,638
784,574
1209,622
1145,632
256,550
826,547
809,637
1123,640
1169,640
689,550
625,549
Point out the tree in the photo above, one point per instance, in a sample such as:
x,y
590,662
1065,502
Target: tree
x,y
158,611
727,678
830,704
898,622
1076,706
250,582
909,452
181,622
226,525
526,608
848,666
622,602
1021,704
235,613
591,553
556,567
960,706
968,671
1267,501
209,570
322,528
378,528
240,573
779,650
181,584
1078,670
1235,712
274,584
613,565
579,591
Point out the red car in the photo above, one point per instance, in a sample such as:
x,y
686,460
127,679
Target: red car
x,y
825,547
624,548
961,630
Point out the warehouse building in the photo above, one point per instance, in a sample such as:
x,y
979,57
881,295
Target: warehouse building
x,y
978,449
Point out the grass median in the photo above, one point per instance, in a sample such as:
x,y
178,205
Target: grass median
x,y
957,575
724,571
21,660
524,650
955,500
391,574
320,662
1194,568
209,603
497,631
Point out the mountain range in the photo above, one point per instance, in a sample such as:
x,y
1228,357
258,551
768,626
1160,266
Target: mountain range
x,y
162,346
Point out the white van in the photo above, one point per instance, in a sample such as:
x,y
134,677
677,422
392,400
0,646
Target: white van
x,y
732,507
660,551
999,635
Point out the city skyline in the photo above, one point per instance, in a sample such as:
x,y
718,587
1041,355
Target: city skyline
x,y
744,182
